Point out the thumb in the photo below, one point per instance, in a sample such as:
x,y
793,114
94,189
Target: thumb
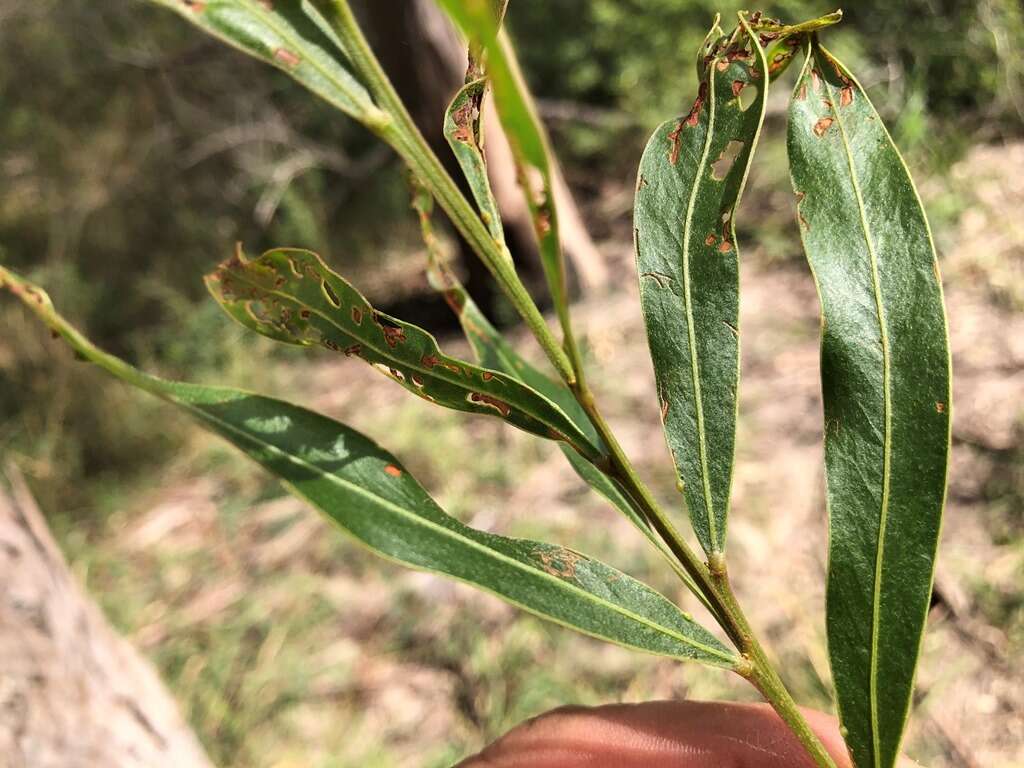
x,y
680,734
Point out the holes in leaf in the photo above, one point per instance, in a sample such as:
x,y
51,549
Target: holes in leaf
x,y
330,294
258,311
721,167
479,398
746,96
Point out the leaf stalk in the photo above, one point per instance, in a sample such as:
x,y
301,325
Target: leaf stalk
x,y
405,137
713,581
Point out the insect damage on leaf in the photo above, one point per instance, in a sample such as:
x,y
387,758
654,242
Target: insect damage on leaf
x,y
366,492
292,296
684,232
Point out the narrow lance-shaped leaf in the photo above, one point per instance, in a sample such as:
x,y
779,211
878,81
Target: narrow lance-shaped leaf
x,y
525,133
462,130
691,177
372,497
492,350
292,296
292,36
886,385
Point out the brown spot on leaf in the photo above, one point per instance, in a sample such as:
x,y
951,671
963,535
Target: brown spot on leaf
x,y
698,104
463,119
822,125
779,60
725,247
304,314
815,79
940,407
354,349
737,86
559,562
487,376
357,315
392,470
288,58
543,222
392,334
710,239
196,6
846,96
429,360
479,398
722,65
802,93
455,300
417,380
673,137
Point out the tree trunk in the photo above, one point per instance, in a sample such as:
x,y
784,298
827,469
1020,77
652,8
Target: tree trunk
x,y
73,693
426,61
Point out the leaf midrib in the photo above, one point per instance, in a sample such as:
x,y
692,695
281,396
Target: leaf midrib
x,y
887,435
270,21
432,372
691,332
415,519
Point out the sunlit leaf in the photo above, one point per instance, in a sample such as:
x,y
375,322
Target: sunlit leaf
x,y
292,296
462,130
493,350
291,36
372,497
784,41
691,177
476,19
886,384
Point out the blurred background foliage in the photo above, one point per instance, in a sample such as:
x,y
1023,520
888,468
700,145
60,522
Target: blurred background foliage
x,y
134,153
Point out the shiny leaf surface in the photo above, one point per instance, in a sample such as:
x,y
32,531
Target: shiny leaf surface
x,y
691,177
494,351
372,497
886,384
292,36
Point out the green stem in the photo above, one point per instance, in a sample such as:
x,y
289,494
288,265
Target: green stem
x,y
714,583
403,135
761,673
